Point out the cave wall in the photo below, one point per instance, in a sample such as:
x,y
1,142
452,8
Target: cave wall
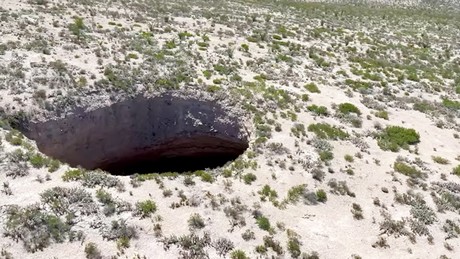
x,y
140,128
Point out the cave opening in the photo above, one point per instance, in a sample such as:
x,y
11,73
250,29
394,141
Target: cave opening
x,y
168,164
144,135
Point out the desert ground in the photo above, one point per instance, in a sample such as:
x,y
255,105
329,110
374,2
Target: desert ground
x,y
229,129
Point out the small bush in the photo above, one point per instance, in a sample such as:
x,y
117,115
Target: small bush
x,y
273,244
318,110
145,208
321,195
312,88
63,200
92,252
263,223
326,131
118,230
456,170
349,158
347,108
407,170
326,155
248,235
35,228
205,177
249,178
238,254
440,160
382,114
296,192
357,211
196,221
293,247
454,105
73,175
394,137
38,161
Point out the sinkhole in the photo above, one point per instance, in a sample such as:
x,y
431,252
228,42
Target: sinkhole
x,y
144,135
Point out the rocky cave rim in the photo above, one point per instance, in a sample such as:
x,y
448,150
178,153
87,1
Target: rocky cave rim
x,y
200,134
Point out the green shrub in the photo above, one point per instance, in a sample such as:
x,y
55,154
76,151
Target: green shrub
x,y
321,195
196,221
62,200
454,105
77,27
14,138
268,192
238,254
423,106
456,170
145,208
263,223
326,131
123,242
305,97
296,192
298,130
326,155
35,228
104,196
249,178
382,114
38,161
73,175
440,160
205,177
293,247
273,244
394,137
319,110
53,165
407,170
261,249
312,87
355,85
349,158
207,74
92,252
347,108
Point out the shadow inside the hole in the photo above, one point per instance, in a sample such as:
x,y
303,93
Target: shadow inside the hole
x,y
170,164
